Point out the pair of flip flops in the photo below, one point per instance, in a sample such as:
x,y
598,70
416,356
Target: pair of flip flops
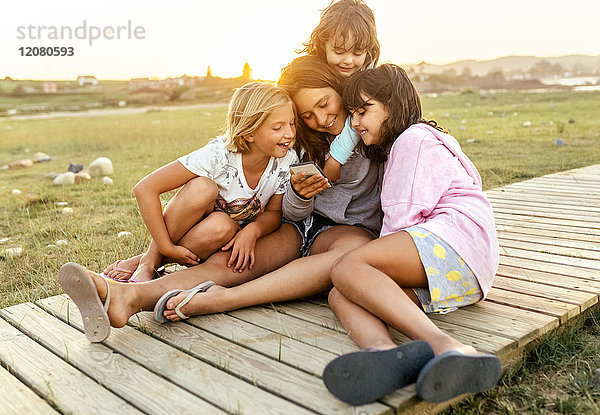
x,y
79,285
161,305
362,377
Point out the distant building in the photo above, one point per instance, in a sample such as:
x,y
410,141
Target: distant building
x,y
87,80
49,87
136,84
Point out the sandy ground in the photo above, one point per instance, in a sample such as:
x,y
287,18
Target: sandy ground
x,y
110,111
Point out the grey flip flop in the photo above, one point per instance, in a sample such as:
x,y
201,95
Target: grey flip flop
x,y
77,283
361,377
161,304
452,374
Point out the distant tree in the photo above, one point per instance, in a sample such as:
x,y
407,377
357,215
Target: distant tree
x,y
209,72
466,72
543,68
247,72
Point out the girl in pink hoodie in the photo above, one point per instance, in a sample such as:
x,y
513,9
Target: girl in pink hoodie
x,y
438,251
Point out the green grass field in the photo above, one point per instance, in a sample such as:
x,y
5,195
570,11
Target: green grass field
x,y
494,137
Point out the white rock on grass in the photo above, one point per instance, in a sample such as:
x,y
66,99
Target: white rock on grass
x,y
107,180
61,242
67,211
3,240
100,167
9,253
124,234
40,157
527,124
16,192
62,203
65,178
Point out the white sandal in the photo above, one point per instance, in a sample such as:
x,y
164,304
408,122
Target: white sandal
x,y
161,304
77,283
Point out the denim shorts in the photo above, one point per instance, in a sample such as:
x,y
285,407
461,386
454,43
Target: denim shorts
x,y
451,283
310,228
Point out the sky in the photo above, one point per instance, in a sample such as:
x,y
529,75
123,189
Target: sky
x,y
184,37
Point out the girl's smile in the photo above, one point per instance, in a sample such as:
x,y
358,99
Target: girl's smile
x,y
321,109
275,135
367,120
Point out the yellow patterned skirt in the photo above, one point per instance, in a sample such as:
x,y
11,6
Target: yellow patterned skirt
x,y
451,282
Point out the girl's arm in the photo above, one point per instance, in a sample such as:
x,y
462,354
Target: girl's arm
x,y
340,151
298,201
147,193
243,243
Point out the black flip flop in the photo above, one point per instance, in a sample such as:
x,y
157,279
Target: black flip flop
x,y
452,374
361,377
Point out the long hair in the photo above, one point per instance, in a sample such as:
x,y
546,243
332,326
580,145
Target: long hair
x,y
339,21
250,106
313,73
390,85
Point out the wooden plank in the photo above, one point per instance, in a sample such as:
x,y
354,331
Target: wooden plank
x,y
539,196
559,224
64,387
550,278
549,257
486,342
566,238
18,399
554,211
549,248
269,374
544,266
549,191
270,341
535,237
588,220
591,248
517,324
563,311
336,342
518,202
583,180
148,392
580,298
569,232
212,384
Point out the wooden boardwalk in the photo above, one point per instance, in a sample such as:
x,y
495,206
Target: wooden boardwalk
x,y
269,359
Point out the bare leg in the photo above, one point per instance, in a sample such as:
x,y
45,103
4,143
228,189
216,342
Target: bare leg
x,y
374,277
194,202
300,278
272,251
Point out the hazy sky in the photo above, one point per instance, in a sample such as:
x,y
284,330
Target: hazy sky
x,y
184,37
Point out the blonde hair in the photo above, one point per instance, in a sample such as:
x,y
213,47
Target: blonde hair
x,y
339,21
249,107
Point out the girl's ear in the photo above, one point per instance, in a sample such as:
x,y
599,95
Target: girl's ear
x,y
249,138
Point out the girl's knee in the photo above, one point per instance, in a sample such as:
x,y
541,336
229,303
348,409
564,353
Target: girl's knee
x,y
334,297
343,270
223,228
200,188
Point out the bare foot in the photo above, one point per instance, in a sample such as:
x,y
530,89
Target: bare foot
x,y
144,272
446,344
207,302
119,310
123,269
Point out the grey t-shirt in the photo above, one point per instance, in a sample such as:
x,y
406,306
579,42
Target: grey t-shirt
x,y
353,200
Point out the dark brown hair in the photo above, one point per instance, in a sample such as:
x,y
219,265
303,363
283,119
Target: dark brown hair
x,y
390,85
311,72
338,22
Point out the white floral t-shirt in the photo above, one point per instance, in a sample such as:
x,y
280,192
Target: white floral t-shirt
x,y
236,197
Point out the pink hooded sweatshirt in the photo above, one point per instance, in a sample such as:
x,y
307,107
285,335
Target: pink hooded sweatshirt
x,y
429,182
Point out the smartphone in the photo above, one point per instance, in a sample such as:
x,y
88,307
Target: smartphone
x,y
309,167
